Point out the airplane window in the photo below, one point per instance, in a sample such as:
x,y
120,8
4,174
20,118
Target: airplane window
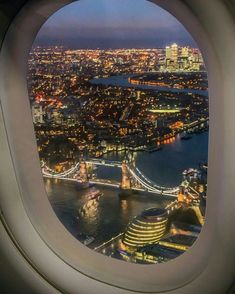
x,y
119,99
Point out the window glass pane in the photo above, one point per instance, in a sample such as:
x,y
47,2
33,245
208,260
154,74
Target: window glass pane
x,y
119,99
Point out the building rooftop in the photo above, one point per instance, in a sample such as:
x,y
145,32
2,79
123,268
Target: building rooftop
x,y
181,239
153,213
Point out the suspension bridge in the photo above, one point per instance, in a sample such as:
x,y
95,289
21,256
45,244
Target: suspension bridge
x,y
132,178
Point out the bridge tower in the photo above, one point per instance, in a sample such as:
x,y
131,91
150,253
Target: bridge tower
x,y
181,195
126,181
83,172
130,158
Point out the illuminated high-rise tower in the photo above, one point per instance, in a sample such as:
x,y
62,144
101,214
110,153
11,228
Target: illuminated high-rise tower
x,y
168,52
174,52
185,52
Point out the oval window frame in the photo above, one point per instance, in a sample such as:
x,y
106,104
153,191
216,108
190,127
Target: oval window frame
x,y
22,201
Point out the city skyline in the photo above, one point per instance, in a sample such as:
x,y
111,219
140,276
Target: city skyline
x,y
107,25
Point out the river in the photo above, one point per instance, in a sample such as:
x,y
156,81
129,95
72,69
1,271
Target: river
x,y
110,215
122,81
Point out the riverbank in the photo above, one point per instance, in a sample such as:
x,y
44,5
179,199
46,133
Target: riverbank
x,y
123,81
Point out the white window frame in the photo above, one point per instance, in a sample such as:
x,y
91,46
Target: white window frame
x,y
44,241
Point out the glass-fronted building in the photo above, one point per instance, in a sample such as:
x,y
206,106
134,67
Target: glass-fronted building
x,y
147,228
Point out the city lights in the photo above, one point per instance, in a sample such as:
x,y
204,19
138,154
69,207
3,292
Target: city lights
x,y
122,135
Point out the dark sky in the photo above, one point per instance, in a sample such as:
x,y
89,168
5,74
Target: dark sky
x,y
113,24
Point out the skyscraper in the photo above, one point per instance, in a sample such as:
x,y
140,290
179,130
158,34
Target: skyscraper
x,y
174,52
168,52
185,52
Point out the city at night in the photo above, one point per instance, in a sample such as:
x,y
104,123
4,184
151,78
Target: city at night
x,y
120,110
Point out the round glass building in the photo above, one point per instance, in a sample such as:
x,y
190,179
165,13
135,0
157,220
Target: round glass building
x,y
147,228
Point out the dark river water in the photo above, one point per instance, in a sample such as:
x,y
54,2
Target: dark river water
x,y
123,82
110,215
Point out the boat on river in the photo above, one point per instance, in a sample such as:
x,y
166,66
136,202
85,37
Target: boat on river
x,y
186,137
151,149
